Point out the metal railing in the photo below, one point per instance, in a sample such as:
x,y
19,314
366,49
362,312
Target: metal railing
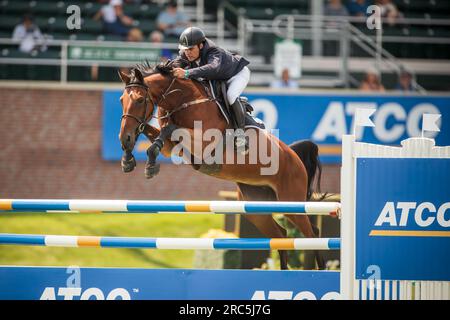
x,y
343,31
64,59
339,29
222,23
381,55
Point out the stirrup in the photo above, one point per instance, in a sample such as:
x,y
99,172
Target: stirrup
x,y
243,99
240,141
241,144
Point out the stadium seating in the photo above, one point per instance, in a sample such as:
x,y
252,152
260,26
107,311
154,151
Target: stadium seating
x,y
51,16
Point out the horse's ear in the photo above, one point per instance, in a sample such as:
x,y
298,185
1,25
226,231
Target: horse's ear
x,y
124,77
168,63
138,75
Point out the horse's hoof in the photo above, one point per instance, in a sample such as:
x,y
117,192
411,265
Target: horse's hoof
x,y
151,170
128,165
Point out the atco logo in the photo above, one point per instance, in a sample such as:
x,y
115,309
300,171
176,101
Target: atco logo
x,y
51,293
391,120
413,214
289,295
73,290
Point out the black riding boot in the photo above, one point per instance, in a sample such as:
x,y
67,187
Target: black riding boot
x,y
241,142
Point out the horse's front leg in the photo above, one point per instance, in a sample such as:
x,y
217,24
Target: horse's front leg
x,y
128,162
151,167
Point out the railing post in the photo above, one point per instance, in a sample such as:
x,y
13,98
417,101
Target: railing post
x,y
379,48
317,29
63,74
290,27
221,23
344,49
200,12
241,34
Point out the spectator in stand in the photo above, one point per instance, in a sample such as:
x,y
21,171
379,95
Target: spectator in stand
x,y
29,35
405,82
285,81
135,35
335,8
114,19
358,8
372,81
157,37
172,21
388,11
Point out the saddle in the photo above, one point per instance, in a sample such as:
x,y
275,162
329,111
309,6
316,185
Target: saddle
x,y
217,90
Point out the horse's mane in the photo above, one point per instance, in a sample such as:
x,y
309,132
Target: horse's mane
x,y
164,68
140,71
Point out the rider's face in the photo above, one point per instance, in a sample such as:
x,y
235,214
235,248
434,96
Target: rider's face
x,y
193,53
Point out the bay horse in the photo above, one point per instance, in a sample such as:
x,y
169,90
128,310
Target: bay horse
x,y
181,102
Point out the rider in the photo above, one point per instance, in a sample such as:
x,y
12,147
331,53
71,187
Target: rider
x,y
211,62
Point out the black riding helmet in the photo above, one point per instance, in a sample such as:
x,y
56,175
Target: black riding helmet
x,y
191,37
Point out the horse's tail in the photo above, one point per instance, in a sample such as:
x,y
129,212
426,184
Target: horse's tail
x,y
308,152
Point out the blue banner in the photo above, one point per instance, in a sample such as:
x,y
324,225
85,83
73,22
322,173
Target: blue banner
x,y
403,219
319,117
72,283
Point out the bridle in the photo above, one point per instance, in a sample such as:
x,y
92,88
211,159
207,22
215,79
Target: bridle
x,y
143,123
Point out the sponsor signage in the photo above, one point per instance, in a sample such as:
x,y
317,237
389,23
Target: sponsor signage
x,y
112,53
73,283
321,118
403,220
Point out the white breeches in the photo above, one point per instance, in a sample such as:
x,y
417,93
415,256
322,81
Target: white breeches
x,y
237,84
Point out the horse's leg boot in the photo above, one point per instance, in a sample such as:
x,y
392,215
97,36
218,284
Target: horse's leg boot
x,y
151,167
128,162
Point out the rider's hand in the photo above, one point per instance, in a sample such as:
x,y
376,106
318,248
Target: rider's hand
x,y
178,73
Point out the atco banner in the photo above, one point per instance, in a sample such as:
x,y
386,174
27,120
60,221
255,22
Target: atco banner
x,y
73,283
321,118
403,220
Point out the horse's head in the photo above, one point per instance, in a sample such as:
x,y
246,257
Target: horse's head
x,y
141,95
137,107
